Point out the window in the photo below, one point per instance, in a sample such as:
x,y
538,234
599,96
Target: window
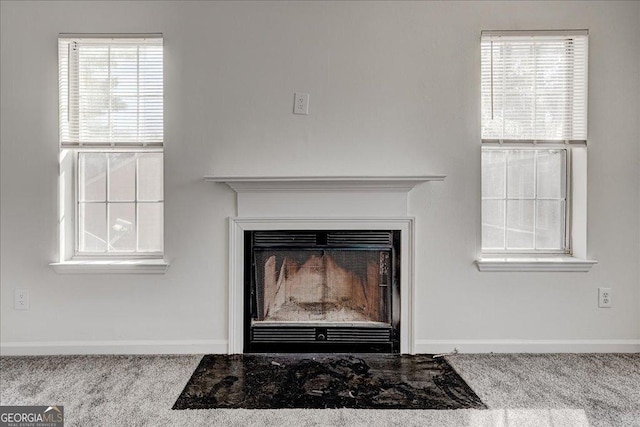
x,y
524,200
119,203
111,137
534,122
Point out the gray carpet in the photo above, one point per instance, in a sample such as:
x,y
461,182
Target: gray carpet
x,y
520,390
606,386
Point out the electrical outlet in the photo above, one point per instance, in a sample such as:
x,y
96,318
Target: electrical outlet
x,y
604,297
301,103
21,299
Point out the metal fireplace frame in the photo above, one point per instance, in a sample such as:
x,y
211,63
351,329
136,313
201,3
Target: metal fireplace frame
x,y
321,337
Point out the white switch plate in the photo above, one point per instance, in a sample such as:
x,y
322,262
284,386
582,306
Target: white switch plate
x,y
301,103
21,299
604,297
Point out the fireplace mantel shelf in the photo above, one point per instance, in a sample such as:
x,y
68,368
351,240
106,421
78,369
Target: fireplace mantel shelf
x,y
243,184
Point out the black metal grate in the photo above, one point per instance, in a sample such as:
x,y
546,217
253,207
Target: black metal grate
x,y
310,334
288,238
359,335
283,334
359,238
332,238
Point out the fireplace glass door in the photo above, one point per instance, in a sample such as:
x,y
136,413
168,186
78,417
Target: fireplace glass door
x,y
322,291
327,285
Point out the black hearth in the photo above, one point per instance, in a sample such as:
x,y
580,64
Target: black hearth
x,y
322,291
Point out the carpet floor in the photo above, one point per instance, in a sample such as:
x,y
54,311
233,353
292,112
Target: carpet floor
x,y
520,390
605,386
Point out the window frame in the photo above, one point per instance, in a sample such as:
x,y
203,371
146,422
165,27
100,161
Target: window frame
x,y
574,256
70,259
566,188
111,255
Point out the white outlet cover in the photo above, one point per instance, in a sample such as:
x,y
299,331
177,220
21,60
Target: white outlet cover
x,y
301,103
604,297
21,299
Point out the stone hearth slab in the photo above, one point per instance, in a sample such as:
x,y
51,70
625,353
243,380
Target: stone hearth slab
x,y
365,381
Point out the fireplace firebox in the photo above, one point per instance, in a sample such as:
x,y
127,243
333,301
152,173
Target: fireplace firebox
x,y
322,291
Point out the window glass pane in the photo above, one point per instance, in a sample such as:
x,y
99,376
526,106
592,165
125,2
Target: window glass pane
x,y
493,224
111,91
520,180
550,173
92,177
124,81
554,72
92,227
534,87
493,173
151,93
122,176
150,227
517,90
124,93
93,93
520,224
150,70
124,119
150,185
151,118
549,225
122,230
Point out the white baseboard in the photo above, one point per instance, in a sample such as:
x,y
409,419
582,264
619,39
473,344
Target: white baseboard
x,y
527,346
221,347
37,348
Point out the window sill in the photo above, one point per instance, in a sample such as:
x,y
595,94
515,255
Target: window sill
x,y
147,266
532,264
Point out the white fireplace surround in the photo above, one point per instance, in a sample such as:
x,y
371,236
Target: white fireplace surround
x,y
322,203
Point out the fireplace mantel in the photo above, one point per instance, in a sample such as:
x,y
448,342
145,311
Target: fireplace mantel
x,y
321,203
248,184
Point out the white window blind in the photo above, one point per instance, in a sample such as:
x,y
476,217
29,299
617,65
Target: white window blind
x,y
534,86
111,91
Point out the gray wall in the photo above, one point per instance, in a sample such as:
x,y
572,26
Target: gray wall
x,y
394,90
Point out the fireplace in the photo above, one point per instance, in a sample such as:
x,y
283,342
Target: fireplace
x,y
322,291
313,204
